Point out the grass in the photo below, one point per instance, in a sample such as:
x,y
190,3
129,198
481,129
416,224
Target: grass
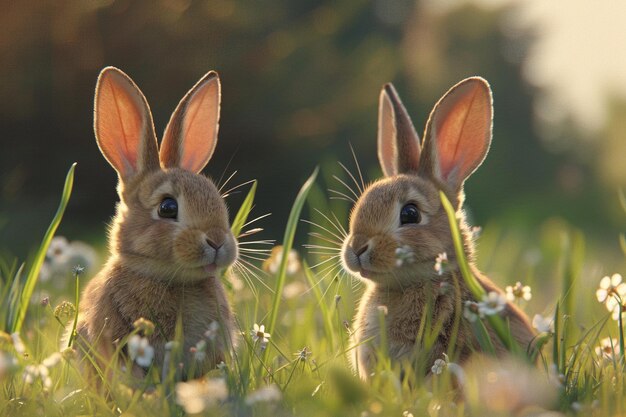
x,y
305,370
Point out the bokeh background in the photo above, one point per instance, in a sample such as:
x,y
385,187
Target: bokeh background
x,y
300,82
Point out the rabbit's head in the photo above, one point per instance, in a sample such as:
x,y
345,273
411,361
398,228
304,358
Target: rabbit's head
x,y
398,226
171,222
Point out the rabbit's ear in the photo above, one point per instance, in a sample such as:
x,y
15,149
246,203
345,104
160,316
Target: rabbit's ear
x,y
191,134
123,124
398,142
458,132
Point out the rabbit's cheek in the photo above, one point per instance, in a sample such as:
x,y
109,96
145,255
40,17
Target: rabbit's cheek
x,y
189,247
383,254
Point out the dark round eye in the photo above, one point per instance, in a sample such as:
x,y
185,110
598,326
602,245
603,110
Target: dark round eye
x,y
168,209
410,214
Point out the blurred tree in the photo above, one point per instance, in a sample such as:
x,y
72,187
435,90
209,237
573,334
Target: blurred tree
x,y
300,80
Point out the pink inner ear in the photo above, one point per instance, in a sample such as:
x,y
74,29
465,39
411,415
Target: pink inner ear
x,y
120,123
200,128
386,137
463,131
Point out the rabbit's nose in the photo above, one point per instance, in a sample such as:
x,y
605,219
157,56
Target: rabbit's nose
x,y
361,250
213,244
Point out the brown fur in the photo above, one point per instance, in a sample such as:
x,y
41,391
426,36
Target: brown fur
x,y
160,269
412,291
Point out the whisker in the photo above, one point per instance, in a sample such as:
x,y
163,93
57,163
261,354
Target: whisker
x,y
347,186
330,286
356,183
340,229
345,232
230,160
244,273
238,186
248,256
330,232
319,281
324,254
342,196
225,182
254,220
328,267
358,167
325,238
249,266
335,249
257,242
324,261
254,250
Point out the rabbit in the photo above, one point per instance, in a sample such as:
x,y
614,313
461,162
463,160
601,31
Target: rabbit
x,y
403,212
170,236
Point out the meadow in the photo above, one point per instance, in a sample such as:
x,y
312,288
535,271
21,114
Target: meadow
x,y
295,317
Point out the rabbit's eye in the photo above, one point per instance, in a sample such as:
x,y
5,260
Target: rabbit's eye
x,y
410,214
168,208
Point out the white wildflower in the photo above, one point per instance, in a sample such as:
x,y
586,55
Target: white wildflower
x,y
555,377
612,293
406,413
197,395
8,364
505,386
52,360
619,309
471,311
491,304
140,351
41,372
404,254
440,262
171,345
294,289
82,254
63,257
33,373
18,344
213,331
518,292
259,335
57,250
609,287
271,393
45,273
272,264
439,366
199,350
543,324
608,349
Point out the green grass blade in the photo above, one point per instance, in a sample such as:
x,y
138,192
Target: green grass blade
x,y
574,254
496,322
319,297
482,335
244,211
13,299
557,330
290,232
33,272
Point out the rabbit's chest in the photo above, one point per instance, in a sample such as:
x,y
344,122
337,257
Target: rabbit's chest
x,y
405,313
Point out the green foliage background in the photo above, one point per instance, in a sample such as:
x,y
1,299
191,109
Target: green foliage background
x,y
300,82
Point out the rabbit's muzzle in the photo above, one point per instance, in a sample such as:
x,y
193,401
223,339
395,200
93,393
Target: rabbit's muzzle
x,y
215,249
